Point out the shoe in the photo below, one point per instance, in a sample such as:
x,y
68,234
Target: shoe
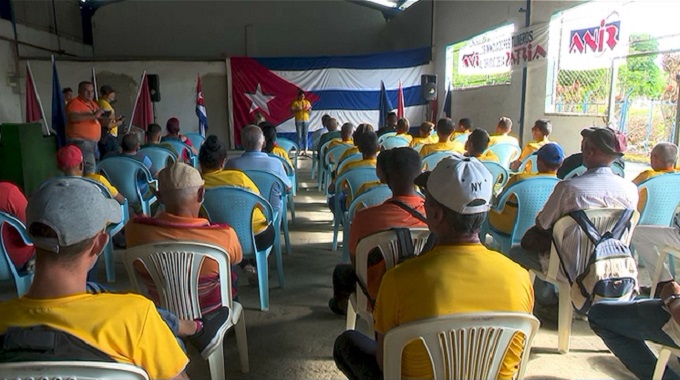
x,y
251,274
214,326
333,305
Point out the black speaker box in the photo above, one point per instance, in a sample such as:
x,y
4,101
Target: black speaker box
x,y
154,87
428,86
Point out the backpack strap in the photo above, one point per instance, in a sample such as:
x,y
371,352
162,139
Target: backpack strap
x,y
408,209
586,225
622,224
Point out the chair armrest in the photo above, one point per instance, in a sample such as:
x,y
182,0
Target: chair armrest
x,y
663,252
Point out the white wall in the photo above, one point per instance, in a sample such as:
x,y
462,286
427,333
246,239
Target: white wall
x,y
217,29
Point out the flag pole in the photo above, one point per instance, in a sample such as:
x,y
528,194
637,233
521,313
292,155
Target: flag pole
x,y
134,104
94,84
37,95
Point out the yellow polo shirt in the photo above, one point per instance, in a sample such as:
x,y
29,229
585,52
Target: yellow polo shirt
x,y
529,149
503,139
642,177
452,146
237,178
105,105
301,115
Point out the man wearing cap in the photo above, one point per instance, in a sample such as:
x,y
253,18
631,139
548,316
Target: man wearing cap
x,y
180,190
66,220
107,96
83,128
70,162
549,159
458,275
575,161
598,187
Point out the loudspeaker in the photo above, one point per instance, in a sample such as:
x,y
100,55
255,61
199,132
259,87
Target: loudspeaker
x,y
154,87
428,86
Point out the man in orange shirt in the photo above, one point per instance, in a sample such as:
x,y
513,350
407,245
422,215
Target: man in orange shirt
x,y
83,128
181,191
403,167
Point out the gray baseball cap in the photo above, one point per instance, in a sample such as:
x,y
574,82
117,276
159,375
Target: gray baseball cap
x,y
74,208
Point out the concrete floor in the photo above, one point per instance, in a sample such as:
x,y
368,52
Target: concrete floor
x,y
294,339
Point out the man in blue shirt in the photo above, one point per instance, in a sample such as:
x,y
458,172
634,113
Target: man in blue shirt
x,y
253,158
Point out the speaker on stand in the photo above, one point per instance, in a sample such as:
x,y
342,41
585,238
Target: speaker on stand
x,y
154,82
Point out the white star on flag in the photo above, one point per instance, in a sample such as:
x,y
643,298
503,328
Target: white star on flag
x,y
259,100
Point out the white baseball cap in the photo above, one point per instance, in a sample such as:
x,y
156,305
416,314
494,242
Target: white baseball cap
x,y
463,185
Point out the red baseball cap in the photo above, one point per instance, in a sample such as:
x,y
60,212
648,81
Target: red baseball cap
x,y
69,156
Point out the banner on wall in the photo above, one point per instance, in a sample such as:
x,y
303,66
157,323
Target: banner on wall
x,y
529,45
487,53
347,88
592,41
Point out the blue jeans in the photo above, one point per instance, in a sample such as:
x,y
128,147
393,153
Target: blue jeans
x,y
355,355
302,128
624,327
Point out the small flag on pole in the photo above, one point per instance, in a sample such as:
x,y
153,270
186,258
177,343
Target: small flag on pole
x,y
94,84
142,111
200,109
34,108
384,107
400,102
58,107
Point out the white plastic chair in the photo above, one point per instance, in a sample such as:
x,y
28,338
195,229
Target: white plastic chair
x,y
662,361
604,219
462,346
662,253
174,268
386,241
71,370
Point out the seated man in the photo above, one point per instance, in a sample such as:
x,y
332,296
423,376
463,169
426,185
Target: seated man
x,y
402,167
13,202
153,139
599,187
549,159
70,162
66,220
464,128
390,124
576,160
502,135
425,135
270,144
663,157
445,129
333,133
346,132
356,137
539,132
180,190
130,148
451,278
625,326
477,146
316,136
403,126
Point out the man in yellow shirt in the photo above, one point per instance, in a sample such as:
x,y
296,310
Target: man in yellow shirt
x,y
445,128
403,125
451,278
425,135
477,144
301,109
549,159
502,135
66,220
346,132
368,146
539,132
109,121
356,137
663,157
464,128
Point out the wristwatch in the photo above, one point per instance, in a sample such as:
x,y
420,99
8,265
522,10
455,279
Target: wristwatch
x,y
668,300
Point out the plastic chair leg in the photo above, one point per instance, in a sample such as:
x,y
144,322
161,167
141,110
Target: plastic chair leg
x,y
351,320
263,279
566,312
336,229
286,234
345,239
661,362
242,343
216,363
671,265
279,269
277,233
108,261
291,203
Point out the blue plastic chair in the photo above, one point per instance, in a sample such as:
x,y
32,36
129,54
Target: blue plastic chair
x,y
371,197
395,142
235,206
317,163
122,172
462,138
534,166
292,176
265,181
347,160
181,147
531,196
160,157
576,172
506,153
354,178
289,146
22,281
385,136
431,160
499,173
196,139
331,158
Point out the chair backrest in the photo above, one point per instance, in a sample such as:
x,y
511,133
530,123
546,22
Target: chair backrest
x,y
577,171
348,159
385,136
499,173
395,142
431,160
534,166
287,144
333,155
174,268
462,346
462,138
122,172
235,206
663,197
181,148
531,193
195,138
160,157
7,269
372,197
265,182
576,260
356,177
386,242
506,153
290,170
71,370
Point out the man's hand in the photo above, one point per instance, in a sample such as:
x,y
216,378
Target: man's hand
x,y
670,288
99,113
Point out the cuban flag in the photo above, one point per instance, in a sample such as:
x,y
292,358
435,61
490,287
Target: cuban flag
x,y
347,88
200,109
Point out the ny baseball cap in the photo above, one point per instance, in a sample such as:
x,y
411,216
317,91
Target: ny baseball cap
x,y
75,208
551,154
606,139
179,176
69,156
460,184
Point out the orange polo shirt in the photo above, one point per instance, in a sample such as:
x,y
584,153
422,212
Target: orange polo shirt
x,y
86,129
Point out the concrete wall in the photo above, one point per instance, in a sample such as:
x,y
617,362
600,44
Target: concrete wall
x,y
218,29
411,29
59,17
